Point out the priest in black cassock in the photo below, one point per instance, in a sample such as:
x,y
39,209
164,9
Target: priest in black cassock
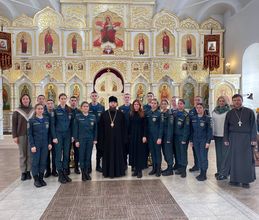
x,y
112,136
240,136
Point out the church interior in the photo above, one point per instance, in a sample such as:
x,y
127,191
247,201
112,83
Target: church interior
x,y
182,48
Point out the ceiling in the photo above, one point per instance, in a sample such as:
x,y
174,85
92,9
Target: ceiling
x,y
197,9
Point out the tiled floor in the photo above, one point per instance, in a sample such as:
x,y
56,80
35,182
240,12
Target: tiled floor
x,y
124,199
207,200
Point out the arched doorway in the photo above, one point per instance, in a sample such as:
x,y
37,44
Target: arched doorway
x,y
250,72
108,82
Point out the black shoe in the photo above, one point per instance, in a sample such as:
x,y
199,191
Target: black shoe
x,y
158,171
67,178
67,171
139,174
202,176
37,182
234,183
135,173
175,167
42,182
47,174
61,177
216,175
178,172
28,175
77,170
23,177
183,174
99,169
193,169
168,172
83,175
132,169
246,185
153,171
221,177
88,177
54,173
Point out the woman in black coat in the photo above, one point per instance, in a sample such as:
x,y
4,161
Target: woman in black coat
x,y
137,138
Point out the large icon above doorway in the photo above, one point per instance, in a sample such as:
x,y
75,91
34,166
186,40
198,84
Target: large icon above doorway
x,y
109,82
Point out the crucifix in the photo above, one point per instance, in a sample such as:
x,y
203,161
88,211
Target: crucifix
x,y
239,123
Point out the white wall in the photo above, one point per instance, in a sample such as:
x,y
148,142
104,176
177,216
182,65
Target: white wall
x,y
241,50
241,31
250,78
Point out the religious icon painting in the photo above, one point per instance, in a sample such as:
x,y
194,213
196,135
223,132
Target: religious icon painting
x,y
185,67
75,90
3,44
164,92
195,67
80,66
70,66
108,32
141,45
212,46
140,89
23,44
51,92
74,44
17,66
188,45
165,43
25,89
48,42
188,95
28,66
6,92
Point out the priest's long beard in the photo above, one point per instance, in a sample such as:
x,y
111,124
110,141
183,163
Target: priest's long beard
x,y
112,109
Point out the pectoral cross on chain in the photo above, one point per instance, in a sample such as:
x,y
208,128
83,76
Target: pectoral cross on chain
x,y
239,123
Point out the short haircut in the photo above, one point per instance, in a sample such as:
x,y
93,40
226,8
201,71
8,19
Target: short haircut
x,y
150,93
237,96
62,94
94,92
41,96
73,97
38,104
181,100
50,100
126,94
84,102
165,100
201,104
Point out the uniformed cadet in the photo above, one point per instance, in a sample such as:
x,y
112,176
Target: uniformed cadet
x,y
42,100
53,172
61,119
75,111
173,106
154,133
201,135
97,109
167,140
125,109
39,142
192,113
181,137
147,108
173,109
150,97
85,130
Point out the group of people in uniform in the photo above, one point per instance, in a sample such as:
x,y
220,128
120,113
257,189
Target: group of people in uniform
x,y
133,134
